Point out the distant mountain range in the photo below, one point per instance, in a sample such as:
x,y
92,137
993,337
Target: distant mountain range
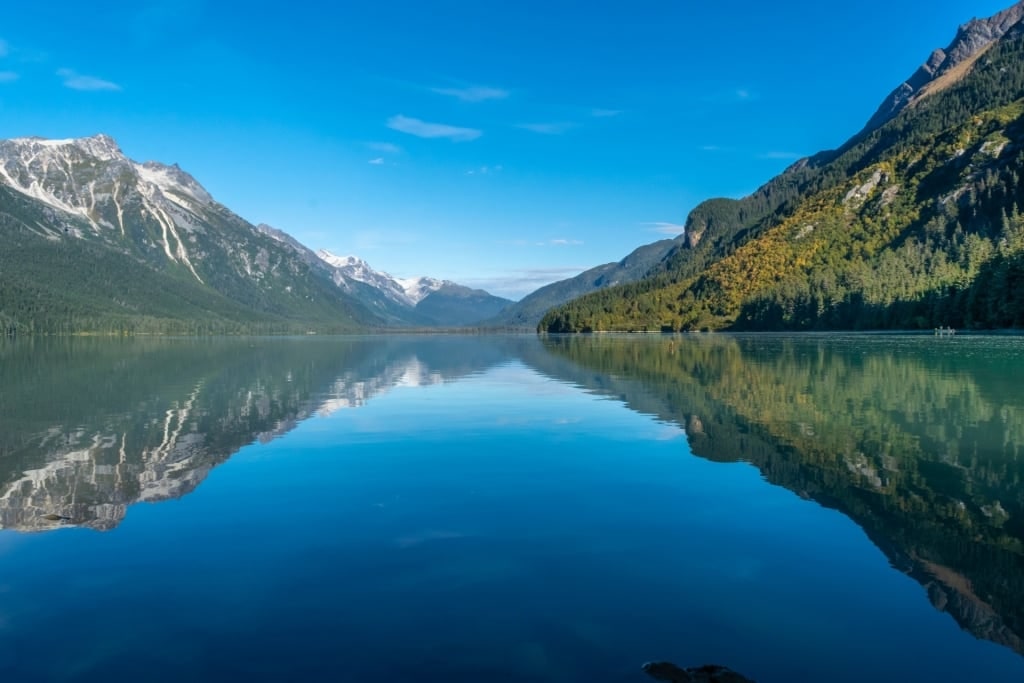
x,y
423,300
915,222
93,241
528,311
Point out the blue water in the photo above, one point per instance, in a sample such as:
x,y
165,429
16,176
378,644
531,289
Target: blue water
x,y
494,524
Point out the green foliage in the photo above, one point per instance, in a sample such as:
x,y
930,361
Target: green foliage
x,y
918,446
53,283
912,225
68,286
527,312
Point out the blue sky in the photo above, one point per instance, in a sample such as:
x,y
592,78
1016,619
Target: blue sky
x,y
499,144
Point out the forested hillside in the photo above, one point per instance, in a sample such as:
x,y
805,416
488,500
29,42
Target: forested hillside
x,y
913,224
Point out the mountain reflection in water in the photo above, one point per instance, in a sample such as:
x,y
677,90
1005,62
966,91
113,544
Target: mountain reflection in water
x,y
91,426
918,440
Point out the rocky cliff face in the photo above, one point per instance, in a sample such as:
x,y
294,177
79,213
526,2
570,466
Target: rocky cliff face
x,y
971,41
85,198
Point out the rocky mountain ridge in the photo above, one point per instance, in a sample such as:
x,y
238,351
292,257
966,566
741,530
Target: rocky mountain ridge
x,y
96,241
407,291
971,41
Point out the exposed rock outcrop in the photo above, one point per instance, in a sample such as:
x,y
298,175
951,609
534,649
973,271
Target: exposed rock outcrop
x,y
970,42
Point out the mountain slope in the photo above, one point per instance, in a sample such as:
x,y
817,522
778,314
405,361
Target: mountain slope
x,y
944,67
453,305
94,241
420,301
528,311
913,224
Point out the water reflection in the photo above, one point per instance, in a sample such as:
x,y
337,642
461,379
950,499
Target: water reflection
x,y
91,426
917,440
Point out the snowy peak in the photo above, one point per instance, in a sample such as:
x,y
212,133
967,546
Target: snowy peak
x,y
172,179
75,175
407,291
99,146
345,261
419,288
424,301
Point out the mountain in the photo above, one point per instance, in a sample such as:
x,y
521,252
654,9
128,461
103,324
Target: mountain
x,y
528,311
915,222
945,66
422,301
95,241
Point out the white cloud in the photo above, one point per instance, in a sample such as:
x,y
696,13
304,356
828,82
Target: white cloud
x,y
76,81
561,242
385,147
377,162
734,95
475,93
666,228
485,170
423,129
516,284
604,113
554,128
8,76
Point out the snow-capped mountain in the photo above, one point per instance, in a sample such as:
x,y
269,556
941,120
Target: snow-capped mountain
x,y
94,240
408,291
419,288
427,300
114,240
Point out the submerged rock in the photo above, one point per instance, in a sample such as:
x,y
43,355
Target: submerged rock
x,y
709,673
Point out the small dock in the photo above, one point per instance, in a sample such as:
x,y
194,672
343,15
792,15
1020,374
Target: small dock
x,y
945,332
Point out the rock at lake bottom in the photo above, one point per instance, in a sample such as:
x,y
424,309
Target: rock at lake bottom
x,y
709,673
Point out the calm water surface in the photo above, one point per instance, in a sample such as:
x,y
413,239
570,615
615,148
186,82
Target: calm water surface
x,y
491,509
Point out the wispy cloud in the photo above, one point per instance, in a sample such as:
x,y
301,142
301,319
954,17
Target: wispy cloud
x,y
553,128
517,283
385,147
77,81
734,95
473,93
379,161
666,228
710,148
5,49
8,76
485,170
780,155
423,129
604,113
562,242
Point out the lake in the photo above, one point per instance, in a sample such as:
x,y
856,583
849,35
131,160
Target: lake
x,y
511,508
